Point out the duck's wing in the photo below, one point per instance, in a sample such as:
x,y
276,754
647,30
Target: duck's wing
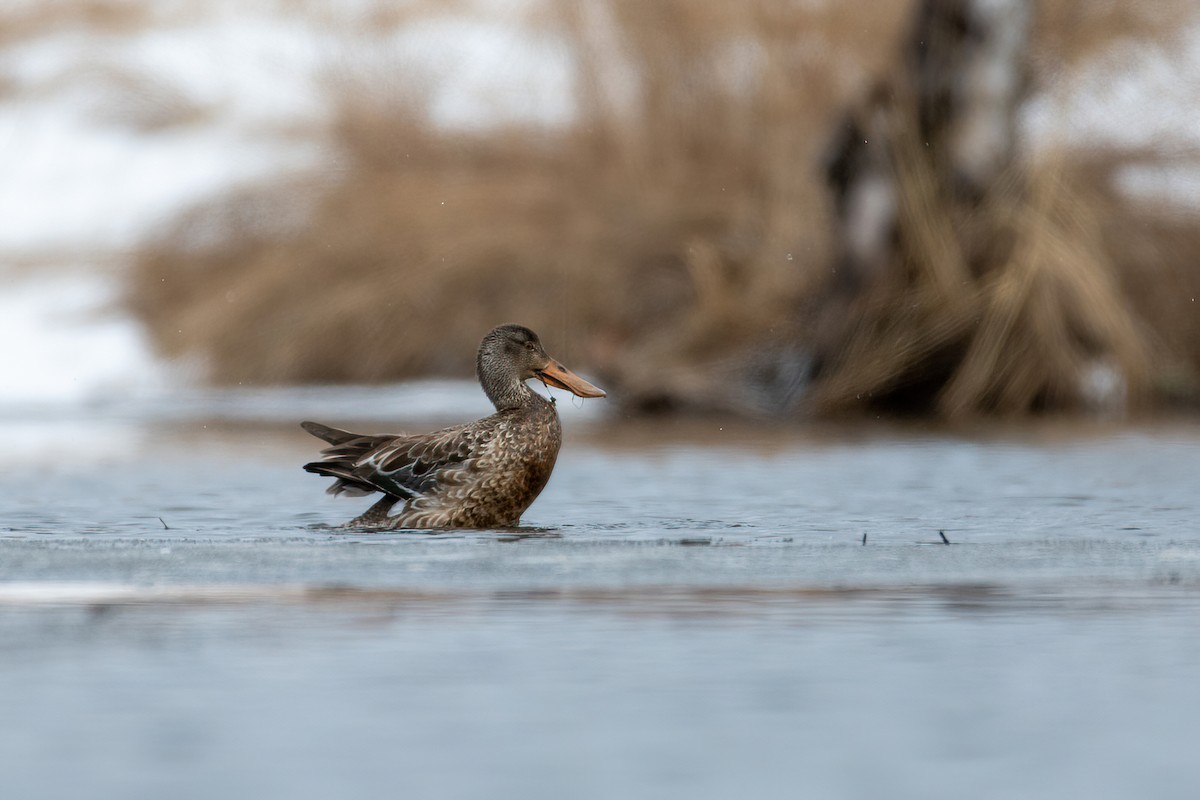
x,y
402,466
409,466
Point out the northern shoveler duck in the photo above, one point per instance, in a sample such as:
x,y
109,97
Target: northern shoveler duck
x,y
483,474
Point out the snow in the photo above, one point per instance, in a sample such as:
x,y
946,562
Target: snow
x,y
109,137
67,343
75,188
1137,96
1174,187
485,72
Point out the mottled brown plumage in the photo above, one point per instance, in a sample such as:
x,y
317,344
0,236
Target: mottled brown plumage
x,y
480,475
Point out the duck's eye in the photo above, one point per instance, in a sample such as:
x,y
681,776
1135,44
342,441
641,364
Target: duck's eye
x,y
529,346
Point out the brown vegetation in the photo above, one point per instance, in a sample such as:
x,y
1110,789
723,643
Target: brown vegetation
x,y
972,280
674,235
686,222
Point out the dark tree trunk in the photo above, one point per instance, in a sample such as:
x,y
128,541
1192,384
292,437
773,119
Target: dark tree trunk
x,y
947,295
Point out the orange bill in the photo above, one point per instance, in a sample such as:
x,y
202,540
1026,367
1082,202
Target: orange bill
x,y
555,374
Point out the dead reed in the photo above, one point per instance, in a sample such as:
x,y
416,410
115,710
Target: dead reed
x,y
677,219
675,227
1009,307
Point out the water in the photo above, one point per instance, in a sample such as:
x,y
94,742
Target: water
x,y
688,610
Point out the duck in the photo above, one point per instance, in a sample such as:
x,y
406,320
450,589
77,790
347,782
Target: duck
x,y
482,474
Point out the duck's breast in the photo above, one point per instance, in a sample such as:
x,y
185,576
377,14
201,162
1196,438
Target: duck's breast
x,y
520,462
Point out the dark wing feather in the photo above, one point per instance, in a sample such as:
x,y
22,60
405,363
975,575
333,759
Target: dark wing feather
x,y
341,460
417,464
401,466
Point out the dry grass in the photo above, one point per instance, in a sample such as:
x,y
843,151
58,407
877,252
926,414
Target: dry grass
x,y
1049,314
1156,254
676,226
1022,302
682,222
1008,306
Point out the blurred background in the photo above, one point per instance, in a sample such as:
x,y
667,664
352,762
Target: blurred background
x,y
220,217
955,208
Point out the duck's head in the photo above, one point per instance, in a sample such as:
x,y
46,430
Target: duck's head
x,y
511,355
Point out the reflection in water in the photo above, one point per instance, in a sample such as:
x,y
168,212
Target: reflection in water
x,y
724,602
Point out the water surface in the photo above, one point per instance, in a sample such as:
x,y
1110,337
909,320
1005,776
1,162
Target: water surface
x,y
689,608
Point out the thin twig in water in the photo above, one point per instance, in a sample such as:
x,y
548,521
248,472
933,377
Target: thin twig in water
x,y
864,540
166,527
944,539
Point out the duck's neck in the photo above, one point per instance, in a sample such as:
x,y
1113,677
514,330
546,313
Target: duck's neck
x,y
502,386
510,395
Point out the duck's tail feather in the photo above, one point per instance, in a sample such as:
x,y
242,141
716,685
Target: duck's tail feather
x,y
326,433
343,461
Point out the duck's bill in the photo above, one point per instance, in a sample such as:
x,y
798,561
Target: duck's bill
x,y
558,376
